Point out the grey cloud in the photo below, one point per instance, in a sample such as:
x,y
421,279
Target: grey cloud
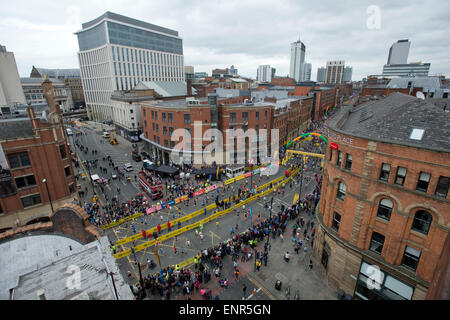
x,y
243,33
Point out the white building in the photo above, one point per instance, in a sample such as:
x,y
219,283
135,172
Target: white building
x,y
398,53
11,92
407,70
117,52
264,73
306,72
126,105
32,88
335,71
298,50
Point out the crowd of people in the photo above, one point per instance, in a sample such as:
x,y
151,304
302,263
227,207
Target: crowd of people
x,y
248,246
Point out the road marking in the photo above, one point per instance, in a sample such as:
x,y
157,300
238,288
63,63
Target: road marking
x,y
250,296
257,284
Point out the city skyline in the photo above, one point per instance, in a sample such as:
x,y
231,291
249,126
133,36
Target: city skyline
x,y
346,37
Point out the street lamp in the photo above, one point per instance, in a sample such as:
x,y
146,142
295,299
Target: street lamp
x,y
48,193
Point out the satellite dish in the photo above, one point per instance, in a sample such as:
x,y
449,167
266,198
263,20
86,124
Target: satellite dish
x,y
420,95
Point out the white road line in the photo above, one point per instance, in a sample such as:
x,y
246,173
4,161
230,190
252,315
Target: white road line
x,y
250,296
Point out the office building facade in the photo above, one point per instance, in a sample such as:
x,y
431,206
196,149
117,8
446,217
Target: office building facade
x,y
398,53
11,92
407,70
117,52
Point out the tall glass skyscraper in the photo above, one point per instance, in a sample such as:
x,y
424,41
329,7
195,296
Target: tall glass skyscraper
x,y
298,50
117,52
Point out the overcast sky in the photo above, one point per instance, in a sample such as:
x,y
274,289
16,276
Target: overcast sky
x,y
243,33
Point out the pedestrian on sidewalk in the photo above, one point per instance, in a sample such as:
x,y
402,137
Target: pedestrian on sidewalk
x,y
244,289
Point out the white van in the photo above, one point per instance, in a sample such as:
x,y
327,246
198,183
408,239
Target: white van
x,y
69,132
128,167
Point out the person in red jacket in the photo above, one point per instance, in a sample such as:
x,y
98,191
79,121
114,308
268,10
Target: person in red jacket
x,y
158,228
168,225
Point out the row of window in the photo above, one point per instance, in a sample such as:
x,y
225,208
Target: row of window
x,y
21,159
156,128
411,256
423,180
244,116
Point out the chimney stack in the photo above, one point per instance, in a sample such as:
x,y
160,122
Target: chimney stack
x,y
47,89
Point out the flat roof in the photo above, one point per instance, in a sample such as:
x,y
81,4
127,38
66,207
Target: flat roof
x,y
120,18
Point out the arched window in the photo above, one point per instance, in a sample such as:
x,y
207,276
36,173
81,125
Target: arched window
x,y
385,209
341,191
422,221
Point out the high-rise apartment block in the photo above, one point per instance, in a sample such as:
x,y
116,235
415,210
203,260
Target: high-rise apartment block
x,y
265,73
306,72
335,71
117,52
298,50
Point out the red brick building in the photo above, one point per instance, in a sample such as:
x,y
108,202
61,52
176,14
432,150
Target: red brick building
x,y
283,81
35,149
383,212
162,118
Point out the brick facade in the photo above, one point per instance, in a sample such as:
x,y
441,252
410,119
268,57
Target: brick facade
x,y
350,243
50,159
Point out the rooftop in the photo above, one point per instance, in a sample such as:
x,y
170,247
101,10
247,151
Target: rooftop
x,y
15,128
44,262
429,83
38,81
120,18
59,73
166,88
393,120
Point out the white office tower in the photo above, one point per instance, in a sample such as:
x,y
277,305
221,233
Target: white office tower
x,y
306,72
398,53
264,73
11,92
347,74
335,71
117,52
298,50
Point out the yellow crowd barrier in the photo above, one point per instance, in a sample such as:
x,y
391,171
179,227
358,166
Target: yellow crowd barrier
x,y
195,224
184,218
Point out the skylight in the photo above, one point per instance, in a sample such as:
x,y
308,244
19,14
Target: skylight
x,y
416,134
